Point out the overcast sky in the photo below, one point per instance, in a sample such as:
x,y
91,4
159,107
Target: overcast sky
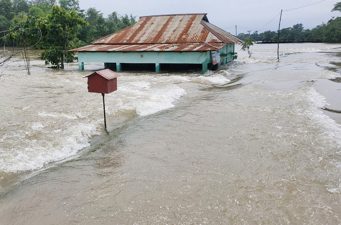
x,y
249,15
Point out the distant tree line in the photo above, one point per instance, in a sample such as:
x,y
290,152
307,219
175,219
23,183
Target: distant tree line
x,y
55,26
329,33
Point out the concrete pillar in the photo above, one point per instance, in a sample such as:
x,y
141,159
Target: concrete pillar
x,y
204,68
81,66
157,67
118,67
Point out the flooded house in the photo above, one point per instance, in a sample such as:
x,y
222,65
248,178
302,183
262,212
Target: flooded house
x,y
163,43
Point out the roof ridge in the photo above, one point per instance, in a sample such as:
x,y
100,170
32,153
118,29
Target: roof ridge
x,y
194,47
175,14
155,43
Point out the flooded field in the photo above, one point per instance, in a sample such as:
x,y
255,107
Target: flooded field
x,y
249,144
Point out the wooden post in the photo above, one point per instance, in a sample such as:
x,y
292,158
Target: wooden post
x,y
105,117
278,34
27,60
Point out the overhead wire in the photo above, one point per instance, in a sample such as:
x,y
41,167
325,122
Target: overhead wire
x,y
304,6
4,31
287,10
21,51
268,22
9,30
33,45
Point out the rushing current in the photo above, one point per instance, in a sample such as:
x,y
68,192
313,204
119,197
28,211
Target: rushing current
x,y
257,142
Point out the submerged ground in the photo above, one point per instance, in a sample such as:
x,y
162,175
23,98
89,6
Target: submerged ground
x,y
245,145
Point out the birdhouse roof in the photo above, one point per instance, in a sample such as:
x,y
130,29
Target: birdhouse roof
x,y
106,74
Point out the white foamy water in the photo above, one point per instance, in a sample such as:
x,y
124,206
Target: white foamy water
x,y
57,115
330,75
216,79
51,117
36,153
146,100
37,126
336,190
317,101
57,105
267,53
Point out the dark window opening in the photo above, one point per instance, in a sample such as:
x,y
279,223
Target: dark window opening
x,y
213,67
111,66
138,67
180,67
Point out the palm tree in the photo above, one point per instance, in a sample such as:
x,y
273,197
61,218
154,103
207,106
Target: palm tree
x,y
337,7
246,45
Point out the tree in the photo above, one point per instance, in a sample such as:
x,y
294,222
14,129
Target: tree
x,y
6,9
96,25
60,32
44,2
25,32
45,5
36,11
20,6
69,4
114,22
318,33
298,32
125,21
337,7
4,23
246,45
332,31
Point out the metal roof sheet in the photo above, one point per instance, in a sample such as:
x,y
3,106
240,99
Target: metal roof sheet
x,y
169,29
191,47
221,34
179,32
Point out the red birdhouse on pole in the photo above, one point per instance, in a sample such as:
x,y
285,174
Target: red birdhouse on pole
x,y
104,82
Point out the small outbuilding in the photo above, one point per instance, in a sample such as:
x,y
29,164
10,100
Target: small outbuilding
x,y
163,42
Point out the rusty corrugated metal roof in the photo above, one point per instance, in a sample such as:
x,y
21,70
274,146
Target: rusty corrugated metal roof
x,y
221,34
193,47
165,29
179,32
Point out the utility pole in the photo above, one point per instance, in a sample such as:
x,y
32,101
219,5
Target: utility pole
x,y
278,33
236,28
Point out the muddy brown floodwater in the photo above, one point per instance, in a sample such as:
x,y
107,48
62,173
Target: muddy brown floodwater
x,y
248,144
